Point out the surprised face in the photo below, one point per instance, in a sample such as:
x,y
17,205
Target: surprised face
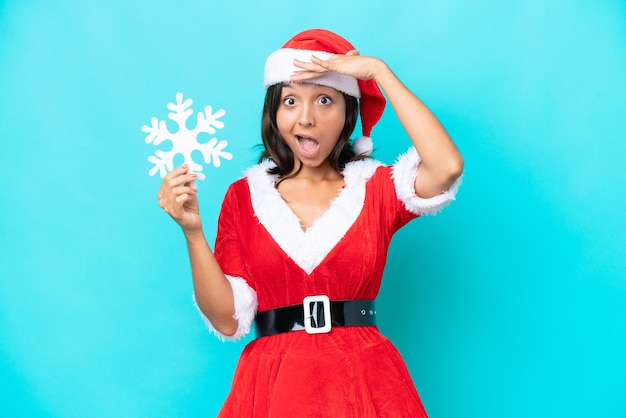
x,y
310,118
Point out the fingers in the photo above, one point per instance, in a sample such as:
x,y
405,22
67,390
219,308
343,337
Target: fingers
x,y
310,70
176,190
176,178
351,64
179,176
300,76
316,65
181,196
319,65
177,197
170,198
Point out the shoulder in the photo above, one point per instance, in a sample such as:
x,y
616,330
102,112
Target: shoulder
x,y
254,175
257,177
361,171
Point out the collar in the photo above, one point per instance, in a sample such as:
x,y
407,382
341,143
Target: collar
x,y
308,248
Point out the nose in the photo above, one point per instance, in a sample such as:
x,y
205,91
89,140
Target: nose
x,y
307,115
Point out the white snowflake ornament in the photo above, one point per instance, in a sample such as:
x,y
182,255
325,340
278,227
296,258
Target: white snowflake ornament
x,y
185,141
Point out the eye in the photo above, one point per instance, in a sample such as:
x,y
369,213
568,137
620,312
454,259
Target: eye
x,y
325,100
289,101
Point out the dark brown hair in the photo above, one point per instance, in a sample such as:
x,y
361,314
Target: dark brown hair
x,y
276,148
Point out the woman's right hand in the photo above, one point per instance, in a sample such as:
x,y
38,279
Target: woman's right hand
x,y
178,198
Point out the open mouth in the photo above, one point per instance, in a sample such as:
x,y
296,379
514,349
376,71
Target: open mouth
x,y
308,145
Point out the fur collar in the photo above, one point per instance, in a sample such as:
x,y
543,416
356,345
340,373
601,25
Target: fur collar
x,y
308,248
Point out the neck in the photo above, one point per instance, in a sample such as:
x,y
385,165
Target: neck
x,y
323,172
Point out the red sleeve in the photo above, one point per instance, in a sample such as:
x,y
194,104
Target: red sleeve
x,y
393,212
228,248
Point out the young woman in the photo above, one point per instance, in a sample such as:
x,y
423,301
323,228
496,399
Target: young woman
x,y
302,239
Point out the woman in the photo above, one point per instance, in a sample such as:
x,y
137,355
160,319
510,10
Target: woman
x,y
302,239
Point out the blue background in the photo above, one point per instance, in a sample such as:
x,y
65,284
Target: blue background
x,y
510,303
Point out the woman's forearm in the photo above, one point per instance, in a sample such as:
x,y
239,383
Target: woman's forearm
x,y
213,292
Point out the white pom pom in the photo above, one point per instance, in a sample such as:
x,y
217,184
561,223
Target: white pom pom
x,y
363,145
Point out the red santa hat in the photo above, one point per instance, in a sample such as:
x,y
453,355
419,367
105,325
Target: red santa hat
x,y
323,44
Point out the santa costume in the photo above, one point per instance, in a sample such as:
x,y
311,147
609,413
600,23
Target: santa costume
x,y
329,362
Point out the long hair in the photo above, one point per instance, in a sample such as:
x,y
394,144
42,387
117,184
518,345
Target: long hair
x,y
277,150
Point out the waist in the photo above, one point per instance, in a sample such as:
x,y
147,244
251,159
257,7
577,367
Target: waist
x,y
316,315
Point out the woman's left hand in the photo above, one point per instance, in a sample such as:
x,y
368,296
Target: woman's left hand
x,y
351,64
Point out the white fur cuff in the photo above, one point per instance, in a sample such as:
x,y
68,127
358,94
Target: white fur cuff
x,y
246,305
404,174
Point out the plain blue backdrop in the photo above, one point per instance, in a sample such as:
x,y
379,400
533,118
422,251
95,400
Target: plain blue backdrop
x,y
510,303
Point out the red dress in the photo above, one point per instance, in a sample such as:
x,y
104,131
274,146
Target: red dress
x,y
351,371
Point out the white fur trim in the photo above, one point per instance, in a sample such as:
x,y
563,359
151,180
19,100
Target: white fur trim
x,y
309,248
404,173
279,68
246,305
363,145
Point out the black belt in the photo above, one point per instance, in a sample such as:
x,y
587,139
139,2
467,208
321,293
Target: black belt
x,y
321,316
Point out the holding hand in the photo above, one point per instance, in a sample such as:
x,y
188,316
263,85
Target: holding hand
x,y
351,64
178,198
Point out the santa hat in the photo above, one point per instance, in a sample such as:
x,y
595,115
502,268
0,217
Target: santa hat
x,y
323,44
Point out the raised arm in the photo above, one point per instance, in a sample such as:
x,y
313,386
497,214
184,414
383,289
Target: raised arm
x,y
213,292
441,161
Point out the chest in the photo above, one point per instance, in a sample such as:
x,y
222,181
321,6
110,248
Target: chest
x,y
309,202
343,261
